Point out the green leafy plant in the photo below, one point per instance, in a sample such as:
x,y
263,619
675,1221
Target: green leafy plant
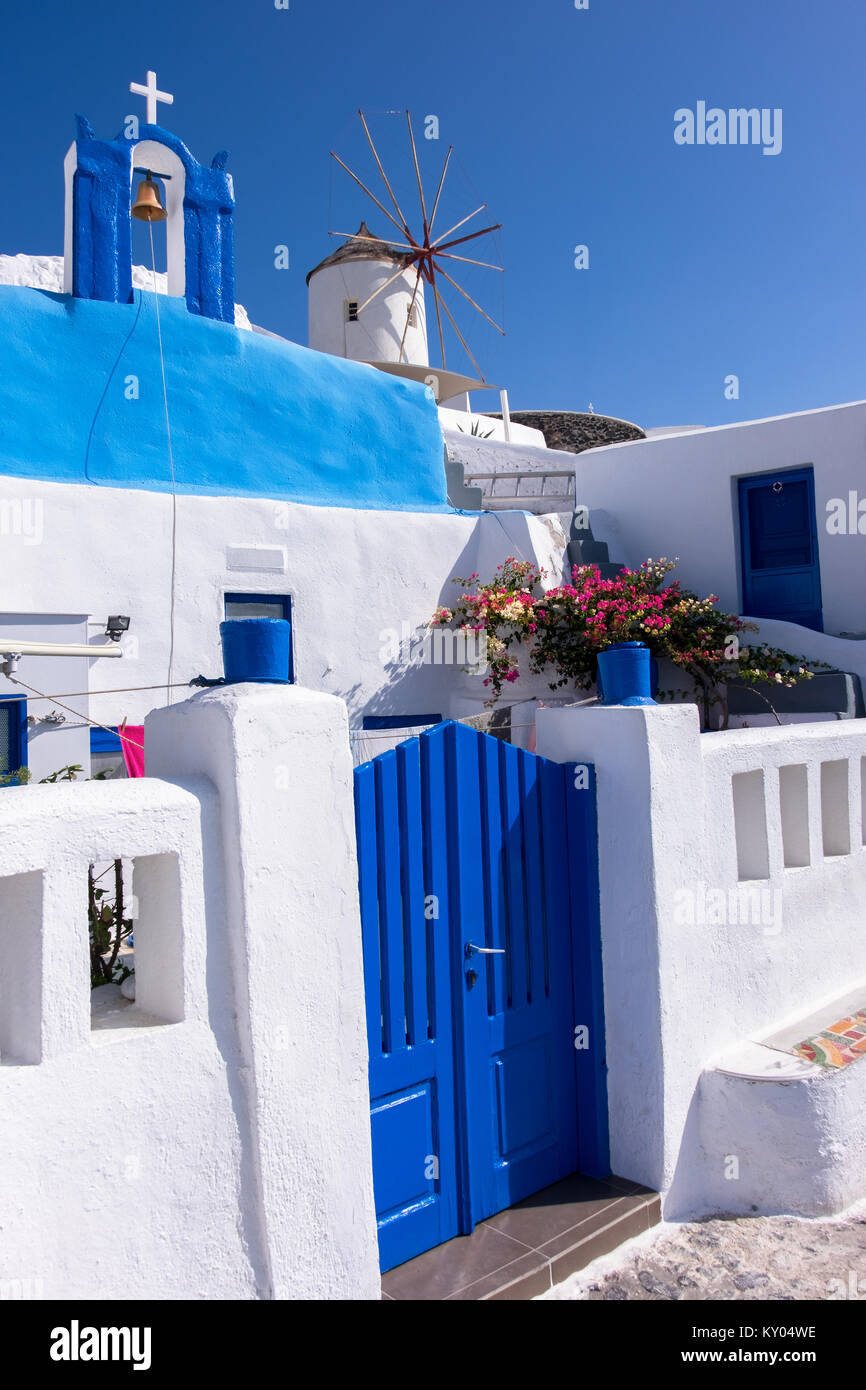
x,y
109,927
476,430
19,778
563,629
64,774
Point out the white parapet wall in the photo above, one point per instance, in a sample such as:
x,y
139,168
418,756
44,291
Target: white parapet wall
x,y
211,1140
732,872
522,473
479,426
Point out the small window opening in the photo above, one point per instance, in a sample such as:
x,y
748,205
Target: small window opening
x,y
264,606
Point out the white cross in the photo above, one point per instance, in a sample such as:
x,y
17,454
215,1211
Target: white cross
x,y
153,95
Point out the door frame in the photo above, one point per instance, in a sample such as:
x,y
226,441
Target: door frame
x,y
748,482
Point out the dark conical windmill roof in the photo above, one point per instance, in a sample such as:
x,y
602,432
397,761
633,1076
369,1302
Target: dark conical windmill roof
x,y
357,249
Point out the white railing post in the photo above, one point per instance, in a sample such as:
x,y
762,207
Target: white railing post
x,y
650,832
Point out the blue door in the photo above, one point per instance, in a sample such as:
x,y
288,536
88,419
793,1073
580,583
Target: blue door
x,y
779,543
478,884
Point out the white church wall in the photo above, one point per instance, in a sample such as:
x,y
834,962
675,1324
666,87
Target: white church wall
x,y
690,972
358,580
211,1140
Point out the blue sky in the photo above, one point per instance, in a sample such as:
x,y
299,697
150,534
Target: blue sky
x,y
703,261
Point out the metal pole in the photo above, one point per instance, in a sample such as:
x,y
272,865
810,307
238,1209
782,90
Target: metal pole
x,y
506,418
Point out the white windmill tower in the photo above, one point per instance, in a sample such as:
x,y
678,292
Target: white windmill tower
x,y
367,300
363,304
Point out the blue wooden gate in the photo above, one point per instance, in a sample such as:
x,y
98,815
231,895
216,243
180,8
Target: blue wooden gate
x,y
482,961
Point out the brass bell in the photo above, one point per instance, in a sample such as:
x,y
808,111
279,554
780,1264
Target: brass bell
x,y
147,206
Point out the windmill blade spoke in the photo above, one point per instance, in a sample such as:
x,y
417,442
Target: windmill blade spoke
x,y
389,241
459,224
460,336
403,230
467,260
426,254
458,241
471,300
391,194
418,175
409,314
394,277
432,278
439,189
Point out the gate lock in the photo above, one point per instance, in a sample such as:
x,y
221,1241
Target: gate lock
x,y
471,950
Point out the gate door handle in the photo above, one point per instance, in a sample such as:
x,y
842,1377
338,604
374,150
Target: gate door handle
x,y
472,949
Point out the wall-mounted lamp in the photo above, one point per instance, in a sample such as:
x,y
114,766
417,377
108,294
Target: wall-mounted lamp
x,y
116,627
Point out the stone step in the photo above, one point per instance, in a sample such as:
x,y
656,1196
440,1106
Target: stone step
x,y
584,549
525,1250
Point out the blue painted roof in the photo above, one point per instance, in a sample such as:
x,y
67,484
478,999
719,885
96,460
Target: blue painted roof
x,y
250,415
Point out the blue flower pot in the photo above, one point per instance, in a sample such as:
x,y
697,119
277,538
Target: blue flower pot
x,y
625,675
256,649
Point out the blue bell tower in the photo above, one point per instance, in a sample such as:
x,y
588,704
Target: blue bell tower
x,y
199,202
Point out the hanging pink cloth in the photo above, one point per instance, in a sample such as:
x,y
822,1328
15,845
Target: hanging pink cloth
x,y
133,756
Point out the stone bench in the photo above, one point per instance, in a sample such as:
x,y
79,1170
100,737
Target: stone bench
x,y
829,692
780,1133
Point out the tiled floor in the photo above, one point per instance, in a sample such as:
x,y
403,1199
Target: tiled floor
x,y
523,1251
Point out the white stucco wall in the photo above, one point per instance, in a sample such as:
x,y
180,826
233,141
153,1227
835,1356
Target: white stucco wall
x,y
51,746
676,495
140,1123
496,456
682,988
352,576
464,421
212,1139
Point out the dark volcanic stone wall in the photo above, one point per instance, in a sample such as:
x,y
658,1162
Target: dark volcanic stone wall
x,y
573,431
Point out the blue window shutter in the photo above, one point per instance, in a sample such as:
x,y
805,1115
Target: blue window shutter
x,y
399,721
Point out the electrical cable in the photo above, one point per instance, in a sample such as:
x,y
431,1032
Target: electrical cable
x,y
363,734
168,684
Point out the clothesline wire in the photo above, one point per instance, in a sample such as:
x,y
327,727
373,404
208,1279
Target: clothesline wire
x,y
176,685
357,734
77,712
